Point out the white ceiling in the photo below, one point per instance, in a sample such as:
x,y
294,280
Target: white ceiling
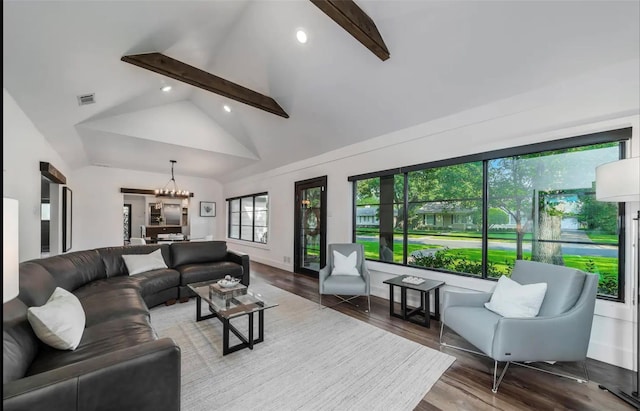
x,y
446,56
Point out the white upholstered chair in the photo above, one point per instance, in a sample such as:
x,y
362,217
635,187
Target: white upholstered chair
x,y
560,331
355,284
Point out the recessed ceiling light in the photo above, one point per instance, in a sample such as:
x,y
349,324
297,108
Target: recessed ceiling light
x,y
227,108
301,35
166,89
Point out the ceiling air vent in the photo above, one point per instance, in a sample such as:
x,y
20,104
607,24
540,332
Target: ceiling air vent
x,y
86,99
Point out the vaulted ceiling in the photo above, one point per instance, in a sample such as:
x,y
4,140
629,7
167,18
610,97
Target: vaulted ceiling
x,y
445,57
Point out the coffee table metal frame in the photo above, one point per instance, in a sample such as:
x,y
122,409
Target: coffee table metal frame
x,y
240,308
425,288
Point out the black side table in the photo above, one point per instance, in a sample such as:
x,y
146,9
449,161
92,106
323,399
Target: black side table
x,y
409,313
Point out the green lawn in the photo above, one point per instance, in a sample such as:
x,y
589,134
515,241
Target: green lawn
x,y
602,238
596,237
502,260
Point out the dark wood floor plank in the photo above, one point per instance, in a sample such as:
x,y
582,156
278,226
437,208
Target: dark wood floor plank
x,y
466,385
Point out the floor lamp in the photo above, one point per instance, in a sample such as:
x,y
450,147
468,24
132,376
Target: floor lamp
x,y
619,182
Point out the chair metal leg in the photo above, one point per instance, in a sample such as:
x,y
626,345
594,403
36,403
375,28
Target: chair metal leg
x,y
586,371
496,384
571,377
346,300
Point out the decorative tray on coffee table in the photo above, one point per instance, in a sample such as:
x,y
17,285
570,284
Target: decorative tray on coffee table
x,y
226,291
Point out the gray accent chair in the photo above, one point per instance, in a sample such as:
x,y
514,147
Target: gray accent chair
x,y
345,285
560,332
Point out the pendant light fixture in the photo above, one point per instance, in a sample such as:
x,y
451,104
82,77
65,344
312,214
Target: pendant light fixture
x,y
171,188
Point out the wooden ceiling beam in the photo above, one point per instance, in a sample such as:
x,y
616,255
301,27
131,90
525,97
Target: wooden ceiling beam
x,y
355,21
167,66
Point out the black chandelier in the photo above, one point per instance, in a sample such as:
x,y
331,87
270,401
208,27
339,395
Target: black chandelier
x,y
171,188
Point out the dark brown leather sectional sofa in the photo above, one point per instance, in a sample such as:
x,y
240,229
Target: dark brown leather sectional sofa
x,y
120,364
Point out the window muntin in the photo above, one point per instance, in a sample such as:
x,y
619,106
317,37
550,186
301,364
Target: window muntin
x,y
379,217
539,205
249,218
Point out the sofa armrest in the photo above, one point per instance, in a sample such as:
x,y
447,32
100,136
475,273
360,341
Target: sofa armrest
x,y
453,298
144,377
322,276
367,278
242,259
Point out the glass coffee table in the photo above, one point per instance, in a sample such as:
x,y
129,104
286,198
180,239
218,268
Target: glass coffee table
x,y
226,304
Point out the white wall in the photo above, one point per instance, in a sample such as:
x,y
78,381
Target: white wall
x,y
97,203
24,148
606,99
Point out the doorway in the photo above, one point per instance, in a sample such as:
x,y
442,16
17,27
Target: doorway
x,y
310,226
126,223
45,217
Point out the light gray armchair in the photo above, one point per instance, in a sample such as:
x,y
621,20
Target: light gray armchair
x,y
345,285
560,331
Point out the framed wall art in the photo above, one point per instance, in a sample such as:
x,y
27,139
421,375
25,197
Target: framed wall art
x,y
207,209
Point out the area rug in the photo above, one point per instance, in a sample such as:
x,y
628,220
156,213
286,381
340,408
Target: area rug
x,y
311,359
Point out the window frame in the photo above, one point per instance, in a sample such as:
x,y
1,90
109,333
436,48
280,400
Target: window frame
x,y
253,217
621,136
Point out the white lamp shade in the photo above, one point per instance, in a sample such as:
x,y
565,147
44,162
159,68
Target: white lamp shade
x,y
619,181
10,257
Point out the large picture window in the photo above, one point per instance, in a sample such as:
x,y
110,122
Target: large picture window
x,y
477,215
249,217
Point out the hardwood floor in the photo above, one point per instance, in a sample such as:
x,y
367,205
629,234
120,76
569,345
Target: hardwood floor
x,y
466,385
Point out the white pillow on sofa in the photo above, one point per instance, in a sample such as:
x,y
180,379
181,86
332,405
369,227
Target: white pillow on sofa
x,y
60,321
513,300
141,263
343,265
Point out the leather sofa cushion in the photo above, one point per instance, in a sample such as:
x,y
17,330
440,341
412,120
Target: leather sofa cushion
x,y
73,270
154,281
101,286
102,338
36,284
114,263
20,344
194,273
112,304
197,252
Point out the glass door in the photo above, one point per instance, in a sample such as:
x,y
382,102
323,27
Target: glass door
x,y
310,226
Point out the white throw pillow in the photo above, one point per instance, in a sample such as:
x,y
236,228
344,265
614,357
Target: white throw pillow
x,y
141,263
514,300
60,321
345,265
